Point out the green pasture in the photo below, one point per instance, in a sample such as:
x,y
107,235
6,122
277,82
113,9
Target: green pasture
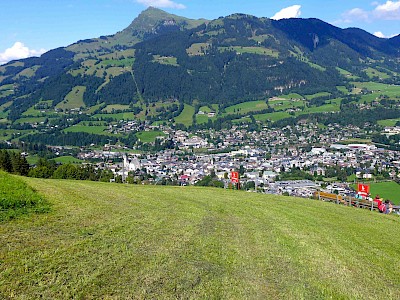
x,y
343,89
245,107
74,99
32,112
6,90
114,71
118,116
149,136
288,97
197,48
201,119
334,105
207,109
87,129
388,122
128,53
16,199
124,62
347,74
68,159
286,104
275,116
28,72
389,90
112,107
186,116
114,241
6,93
93,108
371,73
320,94
9,134
251,50
5,105
316,66
305,59
6,87
165,60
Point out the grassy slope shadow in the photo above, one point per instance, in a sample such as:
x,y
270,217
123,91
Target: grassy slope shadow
x,y
17,198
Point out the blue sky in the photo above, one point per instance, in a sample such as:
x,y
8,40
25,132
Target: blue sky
x,y
30,27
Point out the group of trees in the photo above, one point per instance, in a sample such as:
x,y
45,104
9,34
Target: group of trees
x,y
13,162
78,139
210,180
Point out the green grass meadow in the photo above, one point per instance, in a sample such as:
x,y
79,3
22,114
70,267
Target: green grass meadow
x,y
68,159
88,129
388,122
113,241
186,116
17,198
380,88
73,99
149,136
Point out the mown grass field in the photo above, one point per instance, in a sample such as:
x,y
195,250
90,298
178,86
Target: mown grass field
x,y
17,198
149,136
380,88
246,107
371,73
251,50
111,241
68,159
88,129
186,116
74,99
388,122
111,108
117,116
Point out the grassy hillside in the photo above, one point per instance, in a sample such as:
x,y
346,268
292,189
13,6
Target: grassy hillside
x,y
114,241
17,198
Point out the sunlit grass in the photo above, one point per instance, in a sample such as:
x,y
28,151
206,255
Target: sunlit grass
x,y
112,241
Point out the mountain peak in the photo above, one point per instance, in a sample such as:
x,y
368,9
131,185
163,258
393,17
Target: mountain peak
x,y
152,17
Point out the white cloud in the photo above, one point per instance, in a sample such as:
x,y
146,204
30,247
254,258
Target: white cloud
x,y
18,51
381,35
355,14
388,11
162,4
288,12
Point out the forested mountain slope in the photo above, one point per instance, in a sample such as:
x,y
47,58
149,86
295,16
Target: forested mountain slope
x,y
163,57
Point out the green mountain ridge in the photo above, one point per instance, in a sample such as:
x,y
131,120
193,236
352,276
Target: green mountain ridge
x,y
162,57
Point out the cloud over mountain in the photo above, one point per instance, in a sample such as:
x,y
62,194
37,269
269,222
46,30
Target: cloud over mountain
x,y
18,51
288,12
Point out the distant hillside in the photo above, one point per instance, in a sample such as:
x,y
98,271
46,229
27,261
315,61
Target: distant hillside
x,y
189,74
164,57
127,241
